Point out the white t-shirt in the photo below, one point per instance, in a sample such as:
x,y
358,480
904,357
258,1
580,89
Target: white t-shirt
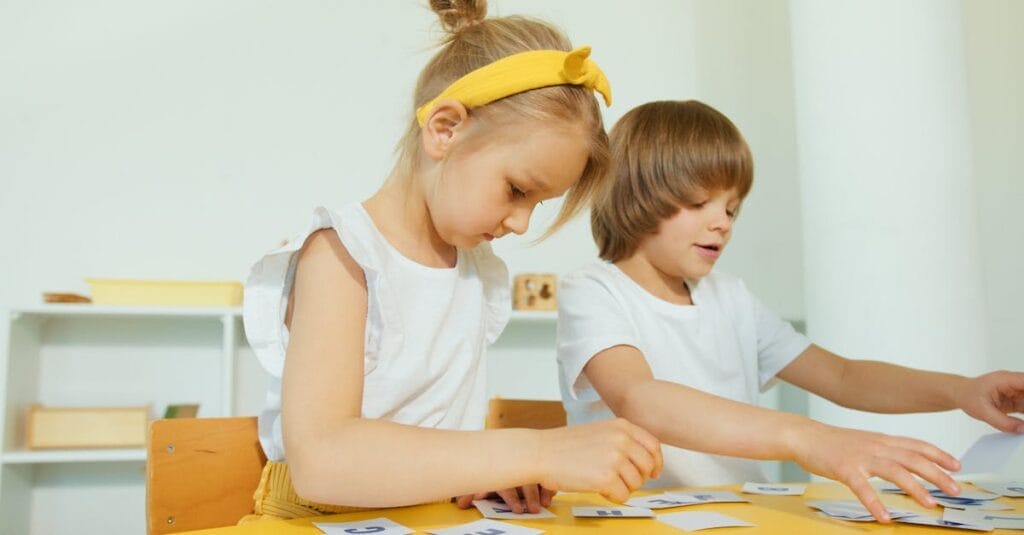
x,y
727,343
427,329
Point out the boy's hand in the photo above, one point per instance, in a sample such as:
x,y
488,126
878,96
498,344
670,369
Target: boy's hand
x,y
992,397
534,496
851,457
611,457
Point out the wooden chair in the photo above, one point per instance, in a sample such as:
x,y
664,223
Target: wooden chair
x,y
201,473
533,414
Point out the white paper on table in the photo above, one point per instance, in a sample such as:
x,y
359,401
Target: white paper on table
x,y
486,525
698,520
997,520
977,505
498,509
662,501
1010,489
709,496
773,489
990,453
853,510
612,512
377,526
923,520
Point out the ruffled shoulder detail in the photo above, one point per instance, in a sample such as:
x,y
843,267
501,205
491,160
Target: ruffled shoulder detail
x,y
493,275
270,281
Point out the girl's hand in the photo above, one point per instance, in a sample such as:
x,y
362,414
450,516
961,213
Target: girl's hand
x,y
612,458
535,497
992,397
851,457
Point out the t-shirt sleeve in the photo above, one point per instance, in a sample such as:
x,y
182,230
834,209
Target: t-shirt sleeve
x,y
778,343
590,320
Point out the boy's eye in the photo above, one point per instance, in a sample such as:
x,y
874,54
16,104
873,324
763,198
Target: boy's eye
x,y
516,192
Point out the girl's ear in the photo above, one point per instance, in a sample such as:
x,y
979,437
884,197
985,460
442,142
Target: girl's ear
x,y
441,127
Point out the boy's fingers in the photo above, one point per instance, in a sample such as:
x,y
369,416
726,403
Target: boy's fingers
x,y
464,501
910,485
926,469
866,494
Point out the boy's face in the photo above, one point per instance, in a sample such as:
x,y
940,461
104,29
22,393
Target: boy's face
x,y
687,244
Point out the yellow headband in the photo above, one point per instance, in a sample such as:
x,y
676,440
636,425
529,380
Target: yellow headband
x,y
523,72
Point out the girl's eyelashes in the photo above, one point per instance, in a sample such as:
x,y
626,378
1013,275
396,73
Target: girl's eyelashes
x,y
516,192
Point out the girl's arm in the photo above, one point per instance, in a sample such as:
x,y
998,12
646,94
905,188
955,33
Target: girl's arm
x,y
337,457
689,418
887,388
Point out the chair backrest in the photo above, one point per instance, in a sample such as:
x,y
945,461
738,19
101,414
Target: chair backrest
x,y
533,414
201,472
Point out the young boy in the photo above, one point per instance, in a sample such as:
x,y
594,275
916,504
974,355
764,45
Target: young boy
x,y
652,334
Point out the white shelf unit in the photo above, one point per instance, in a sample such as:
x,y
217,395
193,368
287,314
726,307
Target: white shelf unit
x,y
91,355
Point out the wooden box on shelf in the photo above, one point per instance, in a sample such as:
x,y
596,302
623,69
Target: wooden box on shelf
x,y
94,427
535,291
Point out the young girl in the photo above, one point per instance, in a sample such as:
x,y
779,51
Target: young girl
x,y
374,321
654,335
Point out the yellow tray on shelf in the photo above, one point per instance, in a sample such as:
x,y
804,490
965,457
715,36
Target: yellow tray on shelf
x,y
165,293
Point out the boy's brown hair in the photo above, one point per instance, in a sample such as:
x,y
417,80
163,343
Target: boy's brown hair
x,y
665,155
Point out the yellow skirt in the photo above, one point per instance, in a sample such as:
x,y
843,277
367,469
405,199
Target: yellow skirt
x,y
275,498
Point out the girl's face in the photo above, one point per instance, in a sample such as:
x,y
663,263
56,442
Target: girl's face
x,y
686,245
489,188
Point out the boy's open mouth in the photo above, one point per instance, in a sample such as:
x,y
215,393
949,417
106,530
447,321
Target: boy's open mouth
x,y
710,246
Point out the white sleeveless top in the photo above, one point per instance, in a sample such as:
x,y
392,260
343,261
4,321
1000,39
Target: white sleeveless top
x,y
427,329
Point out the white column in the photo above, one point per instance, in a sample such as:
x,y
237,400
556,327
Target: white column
x,y
890,236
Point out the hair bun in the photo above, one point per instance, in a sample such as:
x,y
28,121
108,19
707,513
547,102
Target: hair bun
x,y
457,15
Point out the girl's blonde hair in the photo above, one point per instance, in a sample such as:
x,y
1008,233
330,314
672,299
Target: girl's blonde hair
x,y
665,154
474,41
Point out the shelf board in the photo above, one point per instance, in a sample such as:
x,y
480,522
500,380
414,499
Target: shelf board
x,y
73,456
539,316
51,310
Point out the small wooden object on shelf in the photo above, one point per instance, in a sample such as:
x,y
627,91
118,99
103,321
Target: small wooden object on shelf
x,y
181,410
59,297
97,427
535,291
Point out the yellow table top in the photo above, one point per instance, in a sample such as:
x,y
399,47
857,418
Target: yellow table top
x,y
769,514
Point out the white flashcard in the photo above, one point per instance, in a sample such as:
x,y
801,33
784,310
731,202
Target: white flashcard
x,y
498,509
486,526
990,453
970,495
852,510
613,512
709,496
998,520
377,526
774,489
699,520
1010,489
923,520
972,505
662,501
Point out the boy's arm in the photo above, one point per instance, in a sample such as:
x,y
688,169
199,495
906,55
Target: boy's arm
x,y
887,388
689,418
